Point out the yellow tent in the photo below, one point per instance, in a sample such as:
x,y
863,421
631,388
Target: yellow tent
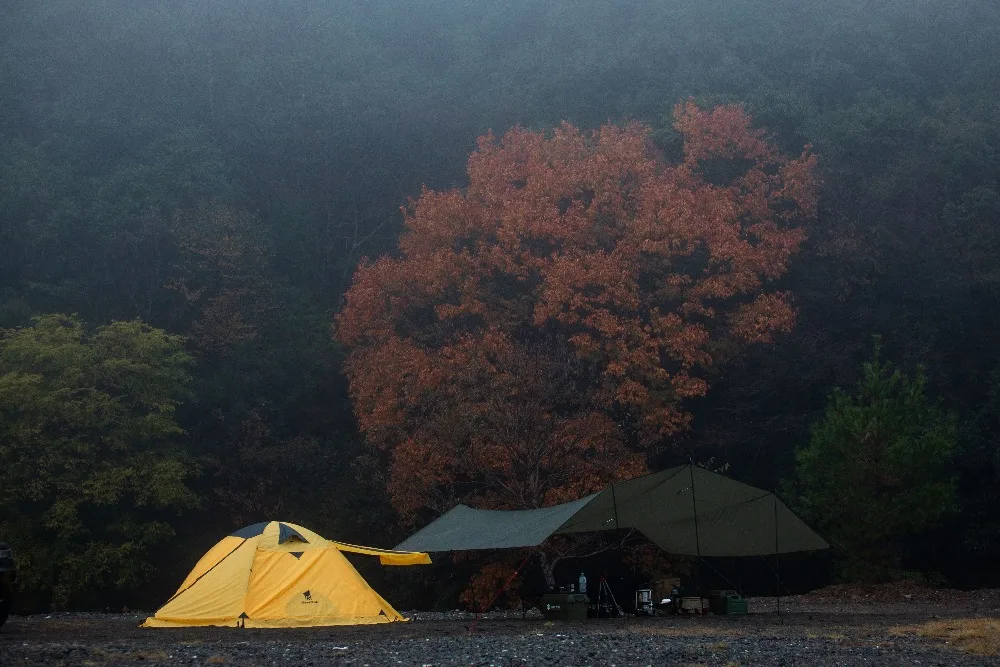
x,y
279,575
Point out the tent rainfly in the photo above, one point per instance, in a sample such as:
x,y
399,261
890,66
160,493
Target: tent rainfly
x,y
279,575
685,510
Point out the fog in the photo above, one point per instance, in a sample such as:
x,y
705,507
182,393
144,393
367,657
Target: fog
x,y
219,168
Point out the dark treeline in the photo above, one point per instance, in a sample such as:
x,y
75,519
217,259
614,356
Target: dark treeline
x,y
218,168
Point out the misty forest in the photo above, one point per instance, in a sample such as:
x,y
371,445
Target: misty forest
x,y
347,264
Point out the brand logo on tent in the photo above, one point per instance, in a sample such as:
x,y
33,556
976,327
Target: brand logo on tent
x,y
308,598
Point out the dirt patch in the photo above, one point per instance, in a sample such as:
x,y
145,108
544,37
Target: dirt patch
x,y
979,636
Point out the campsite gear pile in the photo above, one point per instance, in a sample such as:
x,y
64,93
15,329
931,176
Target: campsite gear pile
x,y
676,599
719,602
279,575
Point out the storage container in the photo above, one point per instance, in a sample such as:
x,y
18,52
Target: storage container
x,y
564,606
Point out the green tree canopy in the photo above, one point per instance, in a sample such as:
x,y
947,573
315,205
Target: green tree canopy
x,y
90,475
877,470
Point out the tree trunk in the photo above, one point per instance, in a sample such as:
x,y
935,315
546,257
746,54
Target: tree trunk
x,y
548,569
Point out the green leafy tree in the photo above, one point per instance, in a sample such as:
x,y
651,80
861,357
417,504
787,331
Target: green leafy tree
x,y
877,471
91,473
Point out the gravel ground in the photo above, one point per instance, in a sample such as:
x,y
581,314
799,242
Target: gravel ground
x,y
809,631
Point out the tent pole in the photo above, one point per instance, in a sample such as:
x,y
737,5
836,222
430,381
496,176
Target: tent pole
x,y
697,540
777,579
614,502
618,537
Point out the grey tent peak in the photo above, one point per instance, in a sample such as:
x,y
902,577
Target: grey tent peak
x,y
287,533
252,530
685,510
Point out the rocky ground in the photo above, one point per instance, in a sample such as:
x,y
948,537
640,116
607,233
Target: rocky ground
x,y
834,627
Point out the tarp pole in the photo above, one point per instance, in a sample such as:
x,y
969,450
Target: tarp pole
x,y
618,536
697,541
777,579
614,503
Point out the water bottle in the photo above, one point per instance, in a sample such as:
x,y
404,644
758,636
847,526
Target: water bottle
x,y
583,582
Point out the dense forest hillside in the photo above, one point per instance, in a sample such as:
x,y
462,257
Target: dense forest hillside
x,y
187,188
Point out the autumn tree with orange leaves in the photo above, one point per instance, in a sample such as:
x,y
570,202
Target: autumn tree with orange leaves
x,y
538,333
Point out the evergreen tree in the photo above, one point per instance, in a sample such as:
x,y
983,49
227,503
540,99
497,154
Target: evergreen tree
x,y
877,471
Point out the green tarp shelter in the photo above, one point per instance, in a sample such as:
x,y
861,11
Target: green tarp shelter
x,y
685,510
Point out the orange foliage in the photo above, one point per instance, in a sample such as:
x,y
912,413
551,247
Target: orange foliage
x,y
539,332
486,586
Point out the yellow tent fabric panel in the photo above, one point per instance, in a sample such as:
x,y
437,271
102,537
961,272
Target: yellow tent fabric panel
x,y
223,548
317,588
387,556
277,575
217,595
412,558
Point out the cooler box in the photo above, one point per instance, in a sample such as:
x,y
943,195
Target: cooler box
x,y
726,602
564,606
691,605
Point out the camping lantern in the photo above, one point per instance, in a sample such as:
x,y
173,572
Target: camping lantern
x,y
644,601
